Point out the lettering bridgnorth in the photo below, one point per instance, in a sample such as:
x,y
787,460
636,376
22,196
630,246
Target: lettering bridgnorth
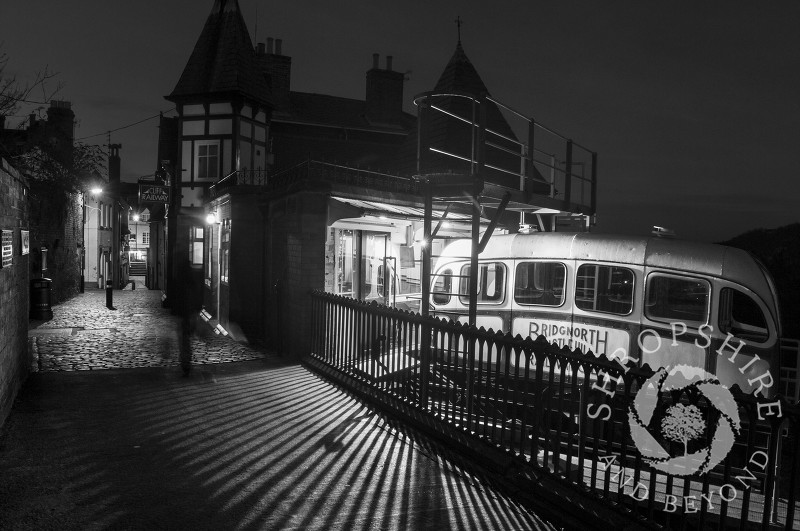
x,y
561,334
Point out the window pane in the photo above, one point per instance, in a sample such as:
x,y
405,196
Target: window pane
x,y
677,299
196,249
540,283
207,161
491,283
744,319
443,287
224,266
601,288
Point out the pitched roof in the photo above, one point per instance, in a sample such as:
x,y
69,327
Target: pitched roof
x,y
223,59
323,109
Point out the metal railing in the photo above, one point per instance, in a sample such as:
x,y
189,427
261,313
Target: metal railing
x,y
313,171
546,159
566,413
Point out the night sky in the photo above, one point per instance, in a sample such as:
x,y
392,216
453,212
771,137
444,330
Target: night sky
x,y
692,107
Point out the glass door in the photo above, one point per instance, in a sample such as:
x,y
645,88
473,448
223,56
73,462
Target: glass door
x,y
373,261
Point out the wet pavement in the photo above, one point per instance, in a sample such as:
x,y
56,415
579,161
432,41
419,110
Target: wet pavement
x,y
109,434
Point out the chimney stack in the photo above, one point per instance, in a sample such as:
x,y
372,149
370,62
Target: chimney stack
x,y
278,70
384,91
114,165
260,49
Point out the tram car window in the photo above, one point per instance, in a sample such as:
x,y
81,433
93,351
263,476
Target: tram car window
x,y
540,283
491,283
443,287
602,288
679,299
741,316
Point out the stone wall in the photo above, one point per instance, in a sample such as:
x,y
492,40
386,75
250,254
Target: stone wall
x,y
14,289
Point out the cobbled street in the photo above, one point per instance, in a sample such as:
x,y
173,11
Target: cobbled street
x,y
110,434
85,335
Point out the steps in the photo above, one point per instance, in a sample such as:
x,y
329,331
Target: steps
x,y
138,269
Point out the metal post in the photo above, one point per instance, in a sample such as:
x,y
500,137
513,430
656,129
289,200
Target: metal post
x,y
477,176
427,245
109,295
568,177
594,183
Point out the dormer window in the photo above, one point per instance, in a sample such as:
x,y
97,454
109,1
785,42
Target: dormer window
x,y
207,160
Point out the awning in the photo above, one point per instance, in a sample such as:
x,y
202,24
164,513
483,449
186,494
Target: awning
x,y
345,207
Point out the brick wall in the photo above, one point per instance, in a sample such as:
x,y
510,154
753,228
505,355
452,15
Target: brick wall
x,y
296,260
14,286
57,225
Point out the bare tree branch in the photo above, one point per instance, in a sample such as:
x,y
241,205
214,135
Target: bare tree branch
x,y
13,94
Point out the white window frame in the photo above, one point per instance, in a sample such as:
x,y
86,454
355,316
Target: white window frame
x,y
197,160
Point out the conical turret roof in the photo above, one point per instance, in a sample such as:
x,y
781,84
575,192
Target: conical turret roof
x,y
460,75
223,60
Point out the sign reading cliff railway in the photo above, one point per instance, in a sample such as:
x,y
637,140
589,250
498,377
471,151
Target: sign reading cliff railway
x,y
153,193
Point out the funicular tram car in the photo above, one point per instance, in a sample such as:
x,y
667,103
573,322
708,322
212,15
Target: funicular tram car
x,y
660,301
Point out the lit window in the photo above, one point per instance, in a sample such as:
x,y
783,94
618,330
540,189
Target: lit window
x,y
491,283
443,287
223,275
207,160
196,245
224,266
540,283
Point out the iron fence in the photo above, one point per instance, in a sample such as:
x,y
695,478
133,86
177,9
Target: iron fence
x,y
574,415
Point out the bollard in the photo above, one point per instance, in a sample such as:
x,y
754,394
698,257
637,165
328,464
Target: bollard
x,y
109,295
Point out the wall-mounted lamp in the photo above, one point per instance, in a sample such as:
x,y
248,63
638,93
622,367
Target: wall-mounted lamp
x,y
96,191
211,218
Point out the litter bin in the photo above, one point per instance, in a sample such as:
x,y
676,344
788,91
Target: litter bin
x,y
41,297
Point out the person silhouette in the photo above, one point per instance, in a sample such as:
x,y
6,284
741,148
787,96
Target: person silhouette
x,y
187,312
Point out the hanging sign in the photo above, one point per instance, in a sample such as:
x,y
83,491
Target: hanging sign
x,y
153,193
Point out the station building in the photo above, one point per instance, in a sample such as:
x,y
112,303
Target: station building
x,y
278,192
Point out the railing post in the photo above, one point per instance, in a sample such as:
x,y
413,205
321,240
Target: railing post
x,y
568,177
594,183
